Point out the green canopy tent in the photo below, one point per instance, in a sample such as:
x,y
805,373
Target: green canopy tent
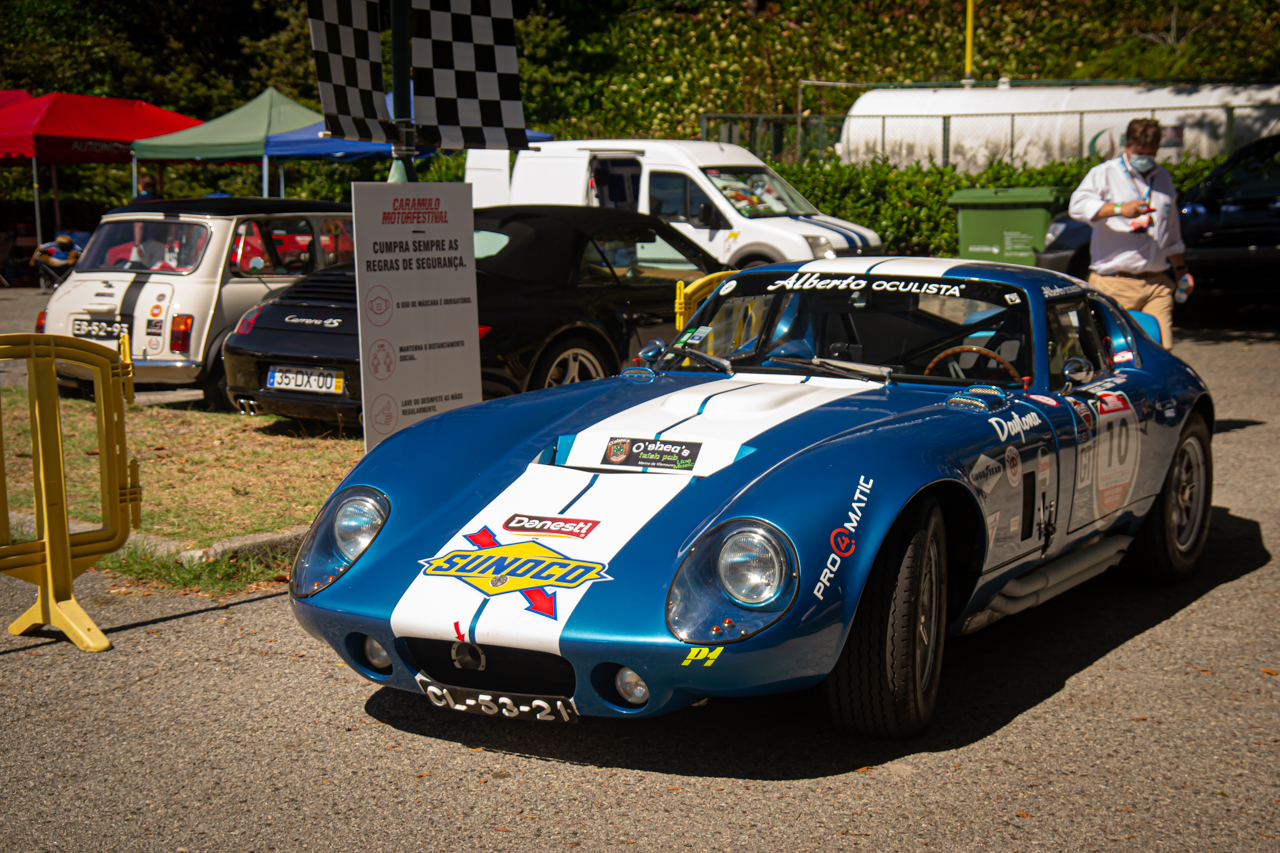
x,y
239,135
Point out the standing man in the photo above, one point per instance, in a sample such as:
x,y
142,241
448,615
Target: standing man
x,y
146,190
1133,208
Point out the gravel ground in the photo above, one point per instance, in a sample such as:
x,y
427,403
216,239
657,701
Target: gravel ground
x,y
1114,718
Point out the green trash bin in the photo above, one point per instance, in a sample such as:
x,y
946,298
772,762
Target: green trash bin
x,y
1006,223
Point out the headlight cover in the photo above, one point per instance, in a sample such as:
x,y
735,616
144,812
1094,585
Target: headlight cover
x,y
738,579
344,529
1055,231
820,246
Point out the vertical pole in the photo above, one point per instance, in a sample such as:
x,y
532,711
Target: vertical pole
x,y
799,121
402,149
1228,132
1012,119
133,190
57,208
946,141
702,125
266,173
1081,138
968,40
280,170
35,185
883,119
160,177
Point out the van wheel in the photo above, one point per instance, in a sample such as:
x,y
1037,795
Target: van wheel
x,y
753,262
568,361
885,683
215,389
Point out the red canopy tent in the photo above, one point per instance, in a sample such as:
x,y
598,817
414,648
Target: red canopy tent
x,y
9,97
62,129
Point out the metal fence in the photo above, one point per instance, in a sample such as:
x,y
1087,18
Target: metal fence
x,y
971,142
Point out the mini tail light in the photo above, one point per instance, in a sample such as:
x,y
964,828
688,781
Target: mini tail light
x,y
484,330
245,326
40,324
180,333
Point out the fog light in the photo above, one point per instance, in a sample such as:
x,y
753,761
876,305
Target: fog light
x,y
376,654
631,686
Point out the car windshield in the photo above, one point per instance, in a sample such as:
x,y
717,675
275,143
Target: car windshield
x,y
145,244
928,329
758,191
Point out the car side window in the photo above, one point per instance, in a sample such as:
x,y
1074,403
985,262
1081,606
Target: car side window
x,y
593,270
1254,177
1072,335
675,198
640,256
272,247
337,244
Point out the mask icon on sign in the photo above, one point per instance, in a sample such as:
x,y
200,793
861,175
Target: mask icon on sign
x,y
378,305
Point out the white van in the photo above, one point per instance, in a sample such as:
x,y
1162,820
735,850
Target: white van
x,y
721,195
177,275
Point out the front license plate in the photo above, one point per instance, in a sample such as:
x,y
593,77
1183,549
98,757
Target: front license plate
x,y
514,706
98,330
317,380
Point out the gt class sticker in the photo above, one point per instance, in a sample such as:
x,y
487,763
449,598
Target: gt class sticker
x,y
651,453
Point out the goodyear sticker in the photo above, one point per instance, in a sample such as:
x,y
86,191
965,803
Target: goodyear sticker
x,y
495,569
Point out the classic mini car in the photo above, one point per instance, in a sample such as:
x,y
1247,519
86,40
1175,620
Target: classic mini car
x,y
834,466
176,276
559,291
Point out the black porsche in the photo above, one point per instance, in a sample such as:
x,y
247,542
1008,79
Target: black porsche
x,y
560,290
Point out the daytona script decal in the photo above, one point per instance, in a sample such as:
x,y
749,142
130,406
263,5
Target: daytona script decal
x,y
1015,425
814,281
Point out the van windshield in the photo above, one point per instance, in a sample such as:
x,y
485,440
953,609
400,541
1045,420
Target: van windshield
x,y
758,191
145,244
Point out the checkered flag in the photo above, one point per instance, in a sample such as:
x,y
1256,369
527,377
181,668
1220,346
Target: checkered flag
x,y
348,51
466,80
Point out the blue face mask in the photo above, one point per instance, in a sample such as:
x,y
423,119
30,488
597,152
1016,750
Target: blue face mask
x,y
1142,163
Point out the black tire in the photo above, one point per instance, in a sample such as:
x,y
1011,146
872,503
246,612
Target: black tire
x,y
886,680
1173,536
215,389
570,360
754,262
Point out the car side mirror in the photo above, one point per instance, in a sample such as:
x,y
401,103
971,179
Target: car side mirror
x,y
707,215
652,351
1077,371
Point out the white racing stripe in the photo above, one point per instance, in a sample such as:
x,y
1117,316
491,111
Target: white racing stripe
x,y
925,267
444,603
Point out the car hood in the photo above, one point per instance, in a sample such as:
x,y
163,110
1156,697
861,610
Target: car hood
x,y
512,509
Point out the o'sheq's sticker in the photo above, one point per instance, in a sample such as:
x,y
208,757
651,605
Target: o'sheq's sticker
x,y
651,453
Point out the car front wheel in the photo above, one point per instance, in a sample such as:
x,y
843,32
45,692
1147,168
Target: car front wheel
x,y
886,680
569,361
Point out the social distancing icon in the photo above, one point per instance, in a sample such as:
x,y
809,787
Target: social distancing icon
x,y
381,359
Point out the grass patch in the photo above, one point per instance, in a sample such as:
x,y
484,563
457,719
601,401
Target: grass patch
x,y
205,476
217,577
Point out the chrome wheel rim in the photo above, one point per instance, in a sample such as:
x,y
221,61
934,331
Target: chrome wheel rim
x,y
1186,510
574,365
927,622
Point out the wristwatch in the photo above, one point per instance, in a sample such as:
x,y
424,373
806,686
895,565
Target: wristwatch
x,y
1117,208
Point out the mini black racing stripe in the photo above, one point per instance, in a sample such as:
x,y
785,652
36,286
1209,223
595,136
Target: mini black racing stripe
x,y
130,299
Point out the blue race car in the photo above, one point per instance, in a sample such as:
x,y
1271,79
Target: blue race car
x,y
834,465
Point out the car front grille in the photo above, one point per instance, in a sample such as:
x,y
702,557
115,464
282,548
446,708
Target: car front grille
x,y
506,670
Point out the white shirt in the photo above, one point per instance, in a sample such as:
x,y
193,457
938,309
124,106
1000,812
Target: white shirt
x,y
1115,249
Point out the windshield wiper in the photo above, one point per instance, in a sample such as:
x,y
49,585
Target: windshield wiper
x,y
721,364
839,368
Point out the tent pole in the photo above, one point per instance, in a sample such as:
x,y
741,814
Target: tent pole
x,y
280,169
402,149
35,184
266,167
57,209
134,191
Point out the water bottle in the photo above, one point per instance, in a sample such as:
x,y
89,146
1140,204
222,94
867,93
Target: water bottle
x,y
1184,287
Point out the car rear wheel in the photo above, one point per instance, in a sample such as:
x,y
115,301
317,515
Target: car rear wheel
x,y
1173,536
886,680
568,361
215,389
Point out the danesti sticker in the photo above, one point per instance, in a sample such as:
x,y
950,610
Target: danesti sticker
x,y
651,453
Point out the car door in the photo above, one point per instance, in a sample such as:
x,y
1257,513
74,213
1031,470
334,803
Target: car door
x,y
1232,224
648,265
1110,410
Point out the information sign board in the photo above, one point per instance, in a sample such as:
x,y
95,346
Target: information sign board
x,y
416,288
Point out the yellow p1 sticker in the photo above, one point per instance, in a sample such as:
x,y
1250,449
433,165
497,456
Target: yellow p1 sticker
x,y
706,655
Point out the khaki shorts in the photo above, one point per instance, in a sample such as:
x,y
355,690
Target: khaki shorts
x,y
1151,292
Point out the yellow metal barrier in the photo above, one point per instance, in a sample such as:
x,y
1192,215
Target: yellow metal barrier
x,y
690,296
58,556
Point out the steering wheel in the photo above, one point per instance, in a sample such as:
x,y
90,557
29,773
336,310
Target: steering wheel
x,y
980,351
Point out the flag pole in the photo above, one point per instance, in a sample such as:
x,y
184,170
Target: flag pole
x,y
402,150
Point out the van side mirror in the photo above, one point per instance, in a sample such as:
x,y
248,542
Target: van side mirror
x,y
707,215
652,351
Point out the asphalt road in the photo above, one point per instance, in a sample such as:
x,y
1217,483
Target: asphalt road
x,y
1113,718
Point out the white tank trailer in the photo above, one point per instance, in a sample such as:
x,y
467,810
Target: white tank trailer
x,y
1035,125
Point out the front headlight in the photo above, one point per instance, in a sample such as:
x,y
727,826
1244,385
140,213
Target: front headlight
x,y
820,246
1055,231
344,529
737,579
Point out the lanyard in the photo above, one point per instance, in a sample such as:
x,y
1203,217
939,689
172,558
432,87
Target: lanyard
x,y
1145,199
